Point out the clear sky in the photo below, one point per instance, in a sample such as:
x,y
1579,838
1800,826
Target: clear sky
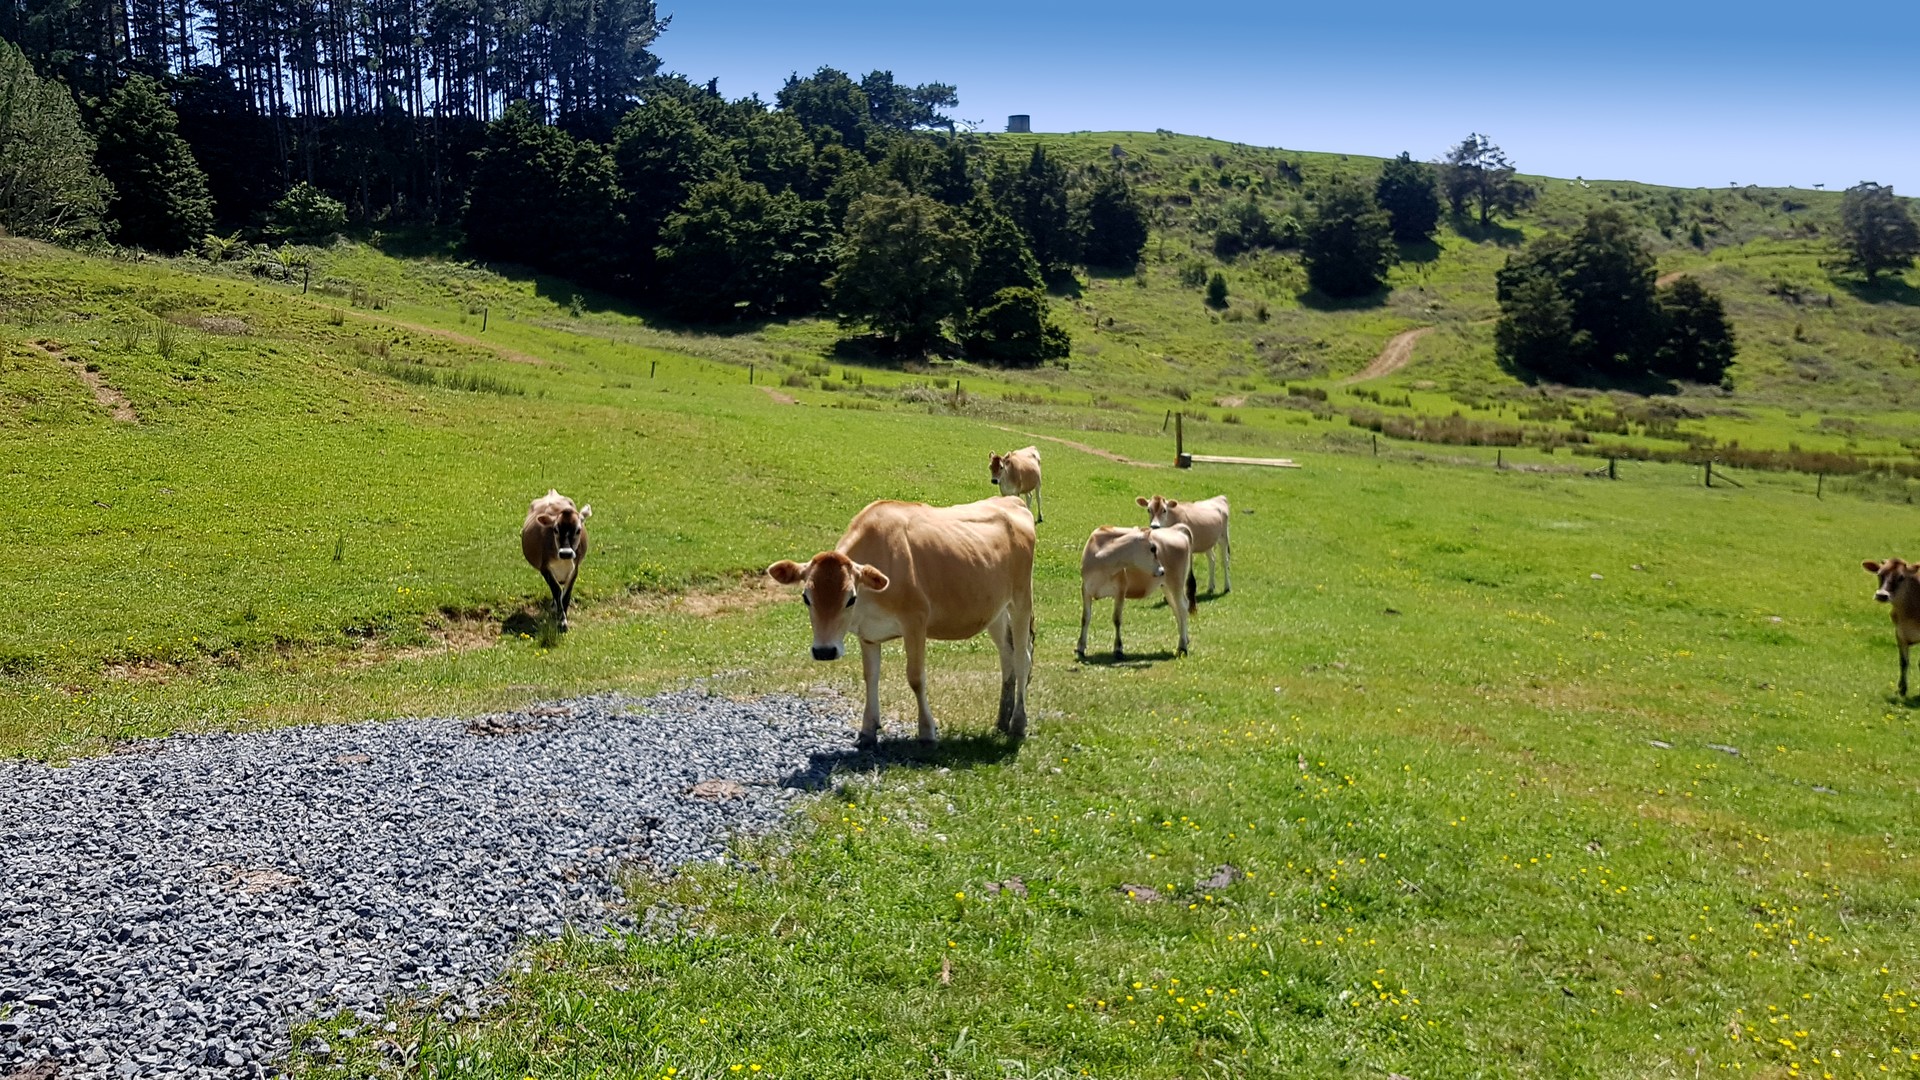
x,y
1686,92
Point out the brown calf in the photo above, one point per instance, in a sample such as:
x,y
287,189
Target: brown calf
x,y
1209,519
1900,586
1127,564
554,540
914,572
1017,472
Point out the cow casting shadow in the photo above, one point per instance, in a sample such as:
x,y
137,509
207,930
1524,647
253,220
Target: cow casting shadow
x,y
965,750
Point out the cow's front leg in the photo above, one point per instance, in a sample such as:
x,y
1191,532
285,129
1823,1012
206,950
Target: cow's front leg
x,y
916,644
559,598
566,600
1039,515
1086,617
870,719
1119,602
1904,646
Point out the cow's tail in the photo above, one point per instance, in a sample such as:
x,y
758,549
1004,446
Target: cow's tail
x,y
1193,593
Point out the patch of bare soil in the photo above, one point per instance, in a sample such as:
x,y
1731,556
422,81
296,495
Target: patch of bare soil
x,y
1397,354
778,397
1082,447
1669,278
110,399
1233,402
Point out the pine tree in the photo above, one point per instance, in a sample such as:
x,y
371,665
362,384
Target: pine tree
x,y
1697,342
160,198
1478,172
1877,232
1348,244
48,187
1035,196
1112,221
1004,259
1407,191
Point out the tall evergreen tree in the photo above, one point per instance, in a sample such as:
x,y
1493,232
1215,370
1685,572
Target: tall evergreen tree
x,y
1408,192
734,249
1035,196
1348,244
1876,231
831,106
543,198
1112,220
1005,262
49,189
160,198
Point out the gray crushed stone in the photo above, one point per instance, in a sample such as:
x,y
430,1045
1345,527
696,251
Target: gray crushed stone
x,y
172,910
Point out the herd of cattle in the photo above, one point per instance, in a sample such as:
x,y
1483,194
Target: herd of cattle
x,y
947,573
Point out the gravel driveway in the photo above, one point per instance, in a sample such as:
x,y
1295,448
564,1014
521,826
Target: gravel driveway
x,y
169,910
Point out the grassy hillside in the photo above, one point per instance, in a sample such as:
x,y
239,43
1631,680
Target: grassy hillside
x,y
1467,736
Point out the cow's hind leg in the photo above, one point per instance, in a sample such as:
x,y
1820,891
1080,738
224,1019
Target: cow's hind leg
x,y
916,644
870,719
1086,617
1020,632
1226,559
1039,514
1001,631
1904,646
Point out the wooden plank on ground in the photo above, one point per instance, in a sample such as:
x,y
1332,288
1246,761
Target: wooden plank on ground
x,y
1275,463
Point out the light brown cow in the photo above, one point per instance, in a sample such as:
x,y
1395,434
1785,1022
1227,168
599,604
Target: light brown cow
x,y
1209,519
1900,586
1017,472
1128,564
914,572
554,540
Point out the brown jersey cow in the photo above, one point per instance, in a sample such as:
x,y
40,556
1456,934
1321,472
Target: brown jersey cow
x,y
915,572
1128,564
1899,585
1209,519
554,540
1017,472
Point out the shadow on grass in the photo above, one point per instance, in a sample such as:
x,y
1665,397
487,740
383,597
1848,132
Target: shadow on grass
x,y
1887,290
966,750
1493,232
1419,251
1132,659
1319,301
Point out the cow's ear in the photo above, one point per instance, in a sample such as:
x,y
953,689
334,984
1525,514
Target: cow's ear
x,y
1171,503
546,521
1871,566
786,571
1141,499
586,512
870,579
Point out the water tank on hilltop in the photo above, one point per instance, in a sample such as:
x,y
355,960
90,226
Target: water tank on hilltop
x,y
1020,124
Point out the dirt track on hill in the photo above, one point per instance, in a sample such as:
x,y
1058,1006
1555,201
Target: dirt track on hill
x,y
1082,447
1397,354
104,394
504,353
1667,279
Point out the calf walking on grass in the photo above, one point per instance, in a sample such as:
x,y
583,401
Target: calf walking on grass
x,y
1017,472
554,540
1900,586
1128,564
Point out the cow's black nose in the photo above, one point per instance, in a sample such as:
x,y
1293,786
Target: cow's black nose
x,y
826,652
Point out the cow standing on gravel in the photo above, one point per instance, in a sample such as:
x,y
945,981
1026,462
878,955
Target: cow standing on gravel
x,y
914,572
1899,585
554,540
1017,472
1208,519
1128,564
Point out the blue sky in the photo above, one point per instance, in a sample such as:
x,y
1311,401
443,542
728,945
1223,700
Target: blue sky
x,y
1676,92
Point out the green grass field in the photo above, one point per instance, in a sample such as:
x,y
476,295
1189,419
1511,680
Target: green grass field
x,y
1467,736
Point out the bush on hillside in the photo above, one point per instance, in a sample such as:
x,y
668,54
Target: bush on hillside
x,y
307,213
903,269
160,198
1877,232
1408,191
1016,328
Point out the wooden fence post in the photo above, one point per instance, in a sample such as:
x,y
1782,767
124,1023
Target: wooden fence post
x,y
1819,485
1611,473
1179,439
1376,445
749,374
484,312
1499,459
1709,473
652,366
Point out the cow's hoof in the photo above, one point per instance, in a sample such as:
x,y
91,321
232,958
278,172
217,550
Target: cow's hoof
x,y
1119,654
1019,728
867,742
1182,651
